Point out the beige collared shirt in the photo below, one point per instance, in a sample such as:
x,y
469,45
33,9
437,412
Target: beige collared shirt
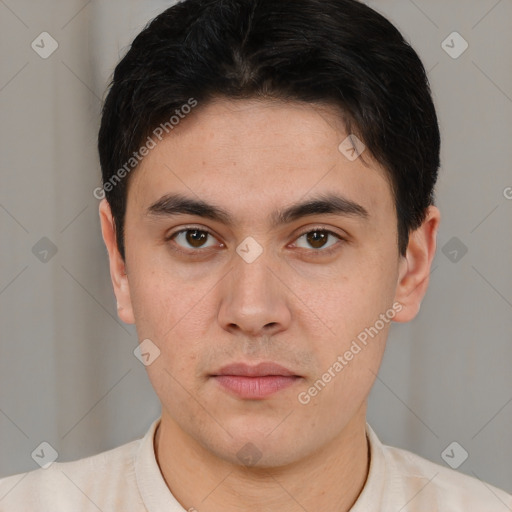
x,y
128,479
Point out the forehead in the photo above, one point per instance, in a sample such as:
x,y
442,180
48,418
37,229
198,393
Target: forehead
x,y
251,156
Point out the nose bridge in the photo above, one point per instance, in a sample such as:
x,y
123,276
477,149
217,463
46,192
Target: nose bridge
x,y
253,297
251,281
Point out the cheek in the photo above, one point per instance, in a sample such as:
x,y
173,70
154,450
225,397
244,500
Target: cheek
x,y
153,305
161,299
173,314
347,303
347,374
355,311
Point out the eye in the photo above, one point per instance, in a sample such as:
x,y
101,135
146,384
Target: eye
x,y
317,238
191,238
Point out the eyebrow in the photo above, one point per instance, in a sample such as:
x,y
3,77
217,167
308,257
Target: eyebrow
x,y
178,204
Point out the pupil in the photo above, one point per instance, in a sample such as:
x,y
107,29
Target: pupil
x,y
196,237
316,238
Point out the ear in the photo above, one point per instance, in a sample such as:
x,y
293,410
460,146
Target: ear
x,y
117,265
414,267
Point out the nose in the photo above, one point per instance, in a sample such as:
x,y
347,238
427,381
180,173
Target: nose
x,y
254,301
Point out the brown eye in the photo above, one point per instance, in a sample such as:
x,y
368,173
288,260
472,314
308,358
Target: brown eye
x,y
318,238
191,238
195,237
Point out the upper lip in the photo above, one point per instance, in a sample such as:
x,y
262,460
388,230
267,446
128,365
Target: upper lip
x,y
260,370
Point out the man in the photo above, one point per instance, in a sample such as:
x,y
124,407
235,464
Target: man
x,y
268,171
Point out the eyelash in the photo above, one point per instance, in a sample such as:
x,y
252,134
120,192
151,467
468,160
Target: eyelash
x,y
201,252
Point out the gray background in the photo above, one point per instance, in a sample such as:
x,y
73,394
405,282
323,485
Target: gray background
x,y
68,375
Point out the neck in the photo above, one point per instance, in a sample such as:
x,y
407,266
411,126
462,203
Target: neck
x,y
330,479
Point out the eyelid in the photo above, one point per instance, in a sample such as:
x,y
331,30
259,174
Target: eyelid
x,y
184,229
319,252
310,229
320,228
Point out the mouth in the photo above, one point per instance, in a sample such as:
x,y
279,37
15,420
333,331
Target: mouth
x,y
255,382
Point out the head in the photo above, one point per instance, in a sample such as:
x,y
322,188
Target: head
x,y
242,223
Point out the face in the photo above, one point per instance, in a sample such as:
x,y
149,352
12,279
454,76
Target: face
x,y
256,279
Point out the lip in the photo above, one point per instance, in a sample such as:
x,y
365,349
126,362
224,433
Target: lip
x,y
263,369
255,382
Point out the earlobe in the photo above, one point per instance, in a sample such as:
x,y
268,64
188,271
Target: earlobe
x,y
117,264
414,267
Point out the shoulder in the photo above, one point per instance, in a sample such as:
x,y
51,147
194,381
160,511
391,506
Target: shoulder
x,y
83,484
428,484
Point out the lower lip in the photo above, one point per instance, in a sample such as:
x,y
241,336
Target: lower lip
x,y
255,387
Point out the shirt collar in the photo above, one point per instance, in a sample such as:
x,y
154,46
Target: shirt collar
x,y
371,497
152,487
157,496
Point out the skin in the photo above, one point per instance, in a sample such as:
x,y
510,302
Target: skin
x,y
293,305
